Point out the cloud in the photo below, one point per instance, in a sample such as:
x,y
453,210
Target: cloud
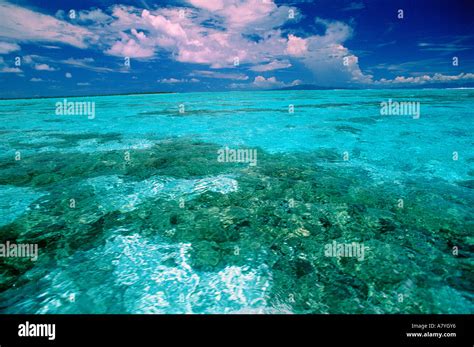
x,y
23,25
144,34
130,48
238,14
261,82
296,46
215,5
85,63
4,68
436,78
68,75
211,33
44,67
177,80
37,62
274,65
249,30
389,43
170,80
446,44
34,79
189,41
443,47
51,47
353,6
330,62
95,15
220,75
7,47
29,59
83,83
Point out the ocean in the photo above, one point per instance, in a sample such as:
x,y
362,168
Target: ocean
x,y
334,201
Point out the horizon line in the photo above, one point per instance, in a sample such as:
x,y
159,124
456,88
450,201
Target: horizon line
x,y
227,91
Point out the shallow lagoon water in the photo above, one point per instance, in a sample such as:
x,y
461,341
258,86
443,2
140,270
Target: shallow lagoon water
x,y
172,230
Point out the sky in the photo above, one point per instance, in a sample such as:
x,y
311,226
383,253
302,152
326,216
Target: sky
x,y
59,48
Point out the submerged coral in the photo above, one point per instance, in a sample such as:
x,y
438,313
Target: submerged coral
x,y
172,220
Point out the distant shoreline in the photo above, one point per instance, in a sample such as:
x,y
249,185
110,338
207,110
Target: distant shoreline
x,y
230,91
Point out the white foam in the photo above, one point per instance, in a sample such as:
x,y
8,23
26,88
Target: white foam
x,y
159,288
114,193
136,274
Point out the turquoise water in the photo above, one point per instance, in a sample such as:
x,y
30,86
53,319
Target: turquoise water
x,y
157,224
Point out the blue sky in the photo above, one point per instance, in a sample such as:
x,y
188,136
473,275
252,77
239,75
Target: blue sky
x,y
216,45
